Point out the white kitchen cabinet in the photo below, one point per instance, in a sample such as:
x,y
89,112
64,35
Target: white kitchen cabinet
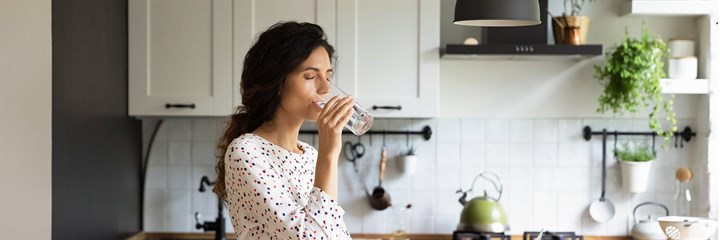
x,y
388,55
252,17
180,57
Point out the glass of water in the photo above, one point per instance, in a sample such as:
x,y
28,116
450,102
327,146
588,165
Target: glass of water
x,y
361,119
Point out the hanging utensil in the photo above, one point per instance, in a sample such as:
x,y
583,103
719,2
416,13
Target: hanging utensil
x,y
380,199
353,152
602,210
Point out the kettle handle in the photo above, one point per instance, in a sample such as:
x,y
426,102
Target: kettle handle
x,y
667,212
495,180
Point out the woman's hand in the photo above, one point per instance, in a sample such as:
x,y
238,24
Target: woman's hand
x,y
333,118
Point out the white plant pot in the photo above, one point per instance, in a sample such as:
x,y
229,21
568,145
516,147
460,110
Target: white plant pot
x,y
408,164
635,175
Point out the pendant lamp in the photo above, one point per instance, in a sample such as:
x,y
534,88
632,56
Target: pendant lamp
x,y
497,13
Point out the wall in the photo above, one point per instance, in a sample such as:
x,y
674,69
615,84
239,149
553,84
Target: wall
x,y
550,174
96,146
25,126
524,124
549,87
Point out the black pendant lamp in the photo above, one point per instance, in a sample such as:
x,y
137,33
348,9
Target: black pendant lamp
x,y
497,13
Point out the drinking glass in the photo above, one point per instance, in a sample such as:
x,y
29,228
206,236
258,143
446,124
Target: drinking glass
x,y
361,119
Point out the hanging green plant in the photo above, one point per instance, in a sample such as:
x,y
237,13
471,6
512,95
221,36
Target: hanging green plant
x,y
631,80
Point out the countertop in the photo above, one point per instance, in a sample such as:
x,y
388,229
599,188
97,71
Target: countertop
x,y
210,236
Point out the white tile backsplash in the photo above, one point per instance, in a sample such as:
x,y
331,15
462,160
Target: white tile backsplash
x,y
548,171
497,130
472,155
521,130
448,130
497,155
448,155
472,130
179,153
521,155
156,177
179,178
203,153
546,154
159,153
424,224
546,130
179,129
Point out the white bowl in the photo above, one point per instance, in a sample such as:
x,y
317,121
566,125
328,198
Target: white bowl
x,y
681,47
683,68
676,227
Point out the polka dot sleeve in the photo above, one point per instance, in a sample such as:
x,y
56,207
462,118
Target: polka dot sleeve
x,y
270,198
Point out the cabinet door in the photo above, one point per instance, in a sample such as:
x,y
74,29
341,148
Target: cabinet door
x,y
252,17
388,55
180,59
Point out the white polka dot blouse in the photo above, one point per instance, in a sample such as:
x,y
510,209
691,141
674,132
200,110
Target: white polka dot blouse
x,y
270,193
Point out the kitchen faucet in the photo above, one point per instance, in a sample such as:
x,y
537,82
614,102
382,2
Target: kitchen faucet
x,y
219,225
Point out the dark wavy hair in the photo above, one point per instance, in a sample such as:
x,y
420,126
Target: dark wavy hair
x,y
276,53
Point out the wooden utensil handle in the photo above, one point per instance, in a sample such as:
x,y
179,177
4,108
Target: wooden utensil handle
x,y
383,155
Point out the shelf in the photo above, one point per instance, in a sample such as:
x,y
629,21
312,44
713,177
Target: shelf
x,y
670,7
685,86
521,51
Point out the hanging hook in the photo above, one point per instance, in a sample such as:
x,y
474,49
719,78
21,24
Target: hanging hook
x,y
653,144
407,139
615,144
384,133
370,137
682,141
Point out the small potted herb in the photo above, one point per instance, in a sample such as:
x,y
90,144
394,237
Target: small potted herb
x,y
635,162
408,162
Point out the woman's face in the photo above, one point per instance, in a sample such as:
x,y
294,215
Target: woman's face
x,y
307,84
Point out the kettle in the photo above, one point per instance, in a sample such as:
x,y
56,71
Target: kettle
x,y
650,228
483,214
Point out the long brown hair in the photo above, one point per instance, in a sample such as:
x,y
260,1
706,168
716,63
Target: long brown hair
x,y
277,52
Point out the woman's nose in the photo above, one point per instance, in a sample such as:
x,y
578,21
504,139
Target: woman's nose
x,y
324,87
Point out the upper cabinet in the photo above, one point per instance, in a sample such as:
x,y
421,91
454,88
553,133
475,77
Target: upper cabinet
x,y
388,55
180,57
252,17
186,57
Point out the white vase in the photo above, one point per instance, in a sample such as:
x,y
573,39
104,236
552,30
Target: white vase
x,y
635,175
408,164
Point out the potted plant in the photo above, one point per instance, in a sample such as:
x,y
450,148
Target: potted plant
x,y
408,162
635,162
631,80
571,21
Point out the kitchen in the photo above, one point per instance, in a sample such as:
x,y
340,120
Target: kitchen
x,y
519,116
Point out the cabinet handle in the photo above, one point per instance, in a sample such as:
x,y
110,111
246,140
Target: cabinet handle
x,y
179,105
375,107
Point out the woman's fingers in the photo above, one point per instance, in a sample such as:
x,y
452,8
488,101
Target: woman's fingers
x,y
328,106
344,108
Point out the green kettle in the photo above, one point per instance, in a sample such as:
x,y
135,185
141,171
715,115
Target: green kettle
x,y
483,214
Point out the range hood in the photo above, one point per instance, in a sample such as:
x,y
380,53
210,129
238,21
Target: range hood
x,y
525,42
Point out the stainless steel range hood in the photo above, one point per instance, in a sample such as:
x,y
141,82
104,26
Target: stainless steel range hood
x,y
527,42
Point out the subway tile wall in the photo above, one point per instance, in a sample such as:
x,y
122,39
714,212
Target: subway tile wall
x,y
549,173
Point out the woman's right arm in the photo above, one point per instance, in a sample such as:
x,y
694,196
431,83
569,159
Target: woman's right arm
x,y
330,124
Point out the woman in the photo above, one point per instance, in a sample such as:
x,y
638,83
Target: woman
x,y
276,187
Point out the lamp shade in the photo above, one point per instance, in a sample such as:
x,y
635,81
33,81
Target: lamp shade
x,y
497,13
